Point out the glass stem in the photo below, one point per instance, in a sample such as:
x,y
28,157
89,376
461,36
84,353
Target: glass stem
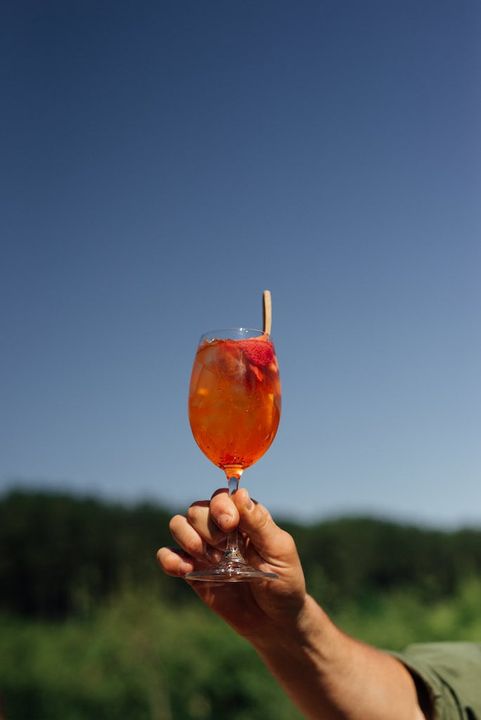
x,y
232,552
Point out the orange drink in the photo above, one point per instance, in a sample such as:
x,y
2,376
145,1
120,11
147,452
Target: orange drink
x,y
234,412
235,400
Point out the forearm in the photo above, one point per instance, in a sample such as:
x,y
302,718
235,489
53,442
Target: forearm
x,y
331,676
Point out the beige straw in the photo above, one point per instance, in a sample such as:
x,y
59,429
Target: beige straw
x,y
267,311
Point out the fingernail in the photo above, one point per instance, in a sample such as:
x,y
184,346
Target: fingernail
x,y
248,504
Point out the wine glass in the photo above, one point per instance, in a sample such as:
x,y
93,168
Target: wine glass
x,y
234,412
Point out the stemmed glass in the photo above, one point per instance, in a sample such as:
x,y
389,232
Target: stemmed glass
x,y
234,412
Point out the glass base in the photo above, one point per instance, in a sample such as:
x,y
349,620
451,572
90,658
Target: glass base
x,y
230,571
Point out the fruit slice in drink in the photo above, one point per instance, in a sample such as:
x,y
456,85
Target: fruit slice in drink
x,y
235,400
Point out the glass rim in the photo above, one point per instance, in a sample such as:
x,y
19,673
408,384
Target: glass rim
x,y
226,333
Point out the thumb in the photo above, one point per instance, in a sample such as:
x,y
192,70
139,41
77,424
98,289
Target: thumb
x,y
270,541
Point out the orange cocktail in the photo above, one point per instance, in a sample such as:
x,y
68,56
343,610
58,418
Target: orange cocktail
x,y
235,400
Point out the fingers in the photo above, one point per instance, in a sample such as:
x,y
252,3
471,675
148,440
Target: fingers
x,y
206,524
174,562
196,535
184,534
224,511
269,540
202,520
213,519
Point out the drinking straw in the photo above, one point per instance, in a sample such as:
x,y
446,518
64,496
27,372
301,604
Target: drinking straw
x,y
267,311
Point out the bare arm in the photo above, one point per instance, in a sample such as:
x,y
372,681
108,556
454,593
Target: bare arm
x,y
330,675
327,674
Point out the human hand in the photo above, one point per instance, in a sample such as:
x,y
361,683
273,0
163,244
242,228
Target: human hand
x,y
255,610
325,672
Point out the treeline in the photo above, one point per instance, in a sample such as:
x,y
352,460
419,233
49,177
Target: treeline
x,y
61,555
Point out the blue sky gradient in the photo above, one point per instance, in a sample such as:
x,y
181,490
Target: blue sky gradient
x,y
163,163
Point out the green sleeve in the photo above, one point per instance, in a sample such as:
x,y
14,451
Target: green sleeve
x,y
449,675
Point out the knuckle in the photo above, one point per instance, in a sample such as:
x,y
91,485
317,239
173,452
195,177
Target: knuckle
x,y
166,560
221,504
287,544
287,540
175,522
195,546
263,516
192,513
190,543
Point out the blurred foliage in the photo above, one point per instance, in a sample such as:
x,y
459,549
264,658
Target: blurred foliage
x,y
356,557
61,555
137,657
89,627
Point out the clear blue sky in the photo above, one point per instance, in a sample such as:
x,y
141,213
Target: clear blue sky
x,y
164,162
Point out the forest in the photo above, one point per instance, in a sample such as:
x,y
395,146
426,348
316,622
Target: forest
x,y
90,627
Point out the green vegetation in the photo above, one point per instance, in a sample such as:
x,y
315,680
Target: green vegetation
x,y
138,658
89,628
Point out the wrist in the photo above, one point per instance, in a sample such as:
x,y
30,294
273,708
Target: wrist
x,y
306,632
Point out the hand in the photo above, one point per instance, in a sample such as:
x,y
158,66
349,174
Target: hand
x,y
255,610
326,673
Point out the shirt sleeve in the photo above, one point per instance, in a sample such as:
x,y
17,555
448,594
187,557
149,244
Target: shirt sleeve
x,y
449,674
